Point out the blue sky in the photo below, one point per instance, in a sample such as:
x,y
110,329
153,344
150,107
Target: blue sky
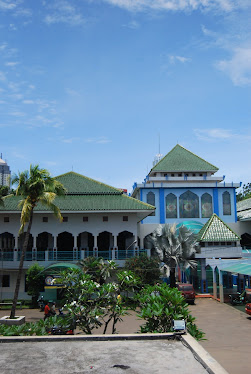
x,y
92,85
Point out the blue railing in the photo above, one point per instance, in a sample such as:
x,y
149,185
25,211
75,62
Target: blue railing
x,y
75,255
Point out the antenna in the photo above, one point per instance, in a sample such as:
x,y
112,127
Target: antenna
x,y
159,144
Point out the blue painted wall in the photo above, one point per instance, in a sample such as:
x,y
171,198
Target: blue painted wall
x,y
216,193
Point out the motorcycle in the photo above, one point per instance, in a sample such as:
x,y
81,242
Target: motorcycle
x,y
61,326
41,303
238,298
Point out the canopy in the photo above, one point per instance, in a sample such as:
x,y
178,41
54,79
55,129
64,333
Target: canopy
x,y
241,268
57,268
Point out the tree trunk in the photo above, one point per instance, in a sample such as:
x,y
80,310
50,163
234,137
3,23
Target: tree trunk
x,y
172,274
20,269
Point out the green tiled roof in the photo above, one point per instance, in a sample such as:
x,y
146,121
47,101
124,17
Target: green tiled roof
x,y
180,159
80,197
240,268
215,230
77,183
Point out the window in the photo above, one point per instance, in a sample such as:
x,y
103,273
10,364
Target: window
x,y
179,175
226,204
150,199
105,219
65,219
6,219
45,219
206,205
171,206
85,219
6,280
125,218
172,175
189,205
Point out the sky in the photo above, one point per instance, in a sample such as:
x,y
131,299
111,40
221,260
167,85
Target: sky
x,y
101,86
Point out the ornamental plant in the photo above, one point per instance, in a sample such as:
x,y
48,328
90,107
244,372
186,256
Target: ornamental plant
x,y
160,305
90,304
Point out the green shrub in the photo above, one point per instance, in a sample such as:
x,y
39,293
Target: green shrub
x,y
160,305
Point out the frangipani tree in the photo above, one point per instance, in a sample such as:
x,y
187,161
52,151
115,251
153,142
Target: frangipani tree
x,y
174,249
34,186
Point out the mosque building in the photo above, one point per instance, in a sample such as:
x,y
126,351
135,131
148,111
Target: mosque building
x,y
100,220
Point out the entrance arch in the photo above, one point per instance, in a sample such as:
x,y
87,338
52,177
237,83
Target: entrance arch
x,y
85,240
125,241
7,241
105,241
65,244
44,241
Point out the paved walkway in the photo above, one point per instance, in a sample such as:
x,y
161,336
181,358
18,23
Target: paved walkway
x,y
227,331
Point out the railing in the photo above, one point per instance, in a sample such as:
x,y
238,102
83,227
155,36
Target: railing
x,y
74,255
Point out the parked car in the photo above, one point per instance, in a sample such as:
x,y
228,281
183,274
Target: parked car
x,y
248,301
187,291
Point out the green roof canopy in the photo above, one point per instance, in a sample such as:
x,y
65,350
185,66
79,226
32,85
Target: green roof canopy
x,y
57,268
179,159
242,268
215,230
85,194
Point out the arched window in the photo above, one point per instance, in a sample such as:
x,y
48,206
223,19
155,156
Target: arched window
x,y
150,199
189,205
171,206
226,204
206,205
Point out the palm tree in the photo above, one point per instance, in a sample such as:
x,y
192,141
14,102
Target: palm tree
x,y
174,249
35,186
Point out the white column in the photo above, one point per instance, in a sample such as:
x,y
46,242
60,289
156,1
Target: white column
x,y
75,241
55,241
214,284
95,241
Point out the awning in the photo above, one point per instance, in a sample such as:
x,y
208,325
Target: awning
x,y
242,268
58,267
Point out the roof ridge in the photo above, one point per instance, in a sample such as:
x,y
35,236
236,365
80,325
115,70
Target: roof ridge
x,y
142,202
187,150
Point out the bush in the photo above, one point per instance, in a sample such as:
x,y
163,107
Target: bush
x,y
160,305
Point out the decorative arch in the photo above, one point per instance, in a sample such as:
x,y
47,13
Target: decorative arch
x,y
125,240
189,205
105,241
44,241
65,242
150,199
206,205
171,206
226,199
85,240
7,241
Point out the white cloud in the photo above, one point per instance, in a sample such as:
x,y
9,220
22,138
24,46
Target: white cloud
x,y
69,140
8,5
238,67
182,59
11,63
17,114
99,140
178,5
132,25
63,11
28,101
218,134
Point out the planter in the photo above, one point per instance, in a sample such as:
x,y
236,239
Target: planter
x,y
10,322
